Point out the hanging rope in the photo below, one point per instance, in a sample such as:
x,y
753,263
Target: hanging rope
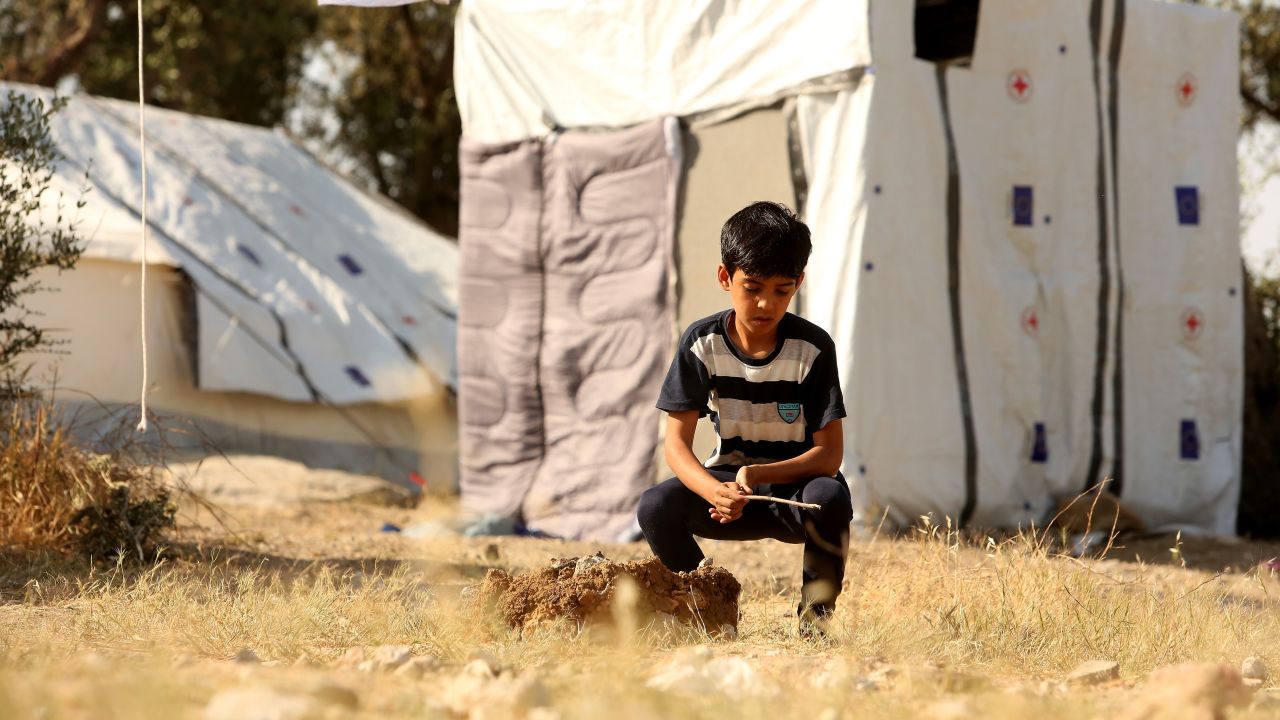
x,y
142,145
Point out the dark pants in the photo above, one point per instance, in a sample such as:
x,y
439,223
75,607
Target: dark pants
x,y
671,515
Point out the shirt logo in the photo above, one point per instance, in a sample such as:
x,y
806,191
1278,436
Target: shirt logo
x,y
788,412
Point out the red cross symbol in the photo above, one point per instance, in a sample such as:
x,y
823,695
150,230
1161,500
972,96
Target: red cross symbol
x,y
1030,321
1192,323
1186,90
311,307
295,210
408,320
1019,85
187,201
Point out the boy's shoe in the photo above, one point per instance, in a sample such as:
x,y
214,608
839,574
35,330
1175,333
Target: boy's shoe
x,y
815,624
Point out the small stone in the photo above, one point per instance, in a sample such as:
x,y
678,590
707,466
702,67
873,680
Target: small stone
x,y
587,562
1267,700
1192,690
260,703
706,563
333,694
1093,672
246,657
389,657
351,658
419,666
951,709
491,552
479,668
1253,668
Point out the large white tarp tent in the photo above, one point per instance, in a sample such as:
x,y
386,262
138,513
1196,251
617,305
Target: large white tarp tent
x,y
1027,257
290,312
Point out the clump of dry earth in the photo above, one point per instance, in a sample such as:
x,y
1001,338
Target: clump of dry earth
x,y
585,590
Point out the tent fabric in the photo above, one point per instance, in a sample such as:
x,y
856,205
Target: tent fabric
x,y
265,299
94,379
525,67
566,325
945,204
499,324
1029,245
1181,369
876,162
608,227
324,221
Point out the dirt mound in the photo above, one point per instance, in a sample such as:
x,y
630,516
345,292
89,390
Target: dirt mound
x,y
582,590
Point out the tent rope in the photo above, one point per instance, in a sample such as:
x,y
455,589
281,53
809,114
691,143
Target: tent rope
x,y
142,144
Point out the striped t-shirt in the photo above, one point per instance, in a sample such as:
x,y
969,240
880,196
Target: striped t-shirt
x,y
765,409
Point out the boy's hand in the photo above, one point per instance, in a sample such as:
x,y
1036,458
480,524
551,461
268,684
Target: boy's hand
x,y
727,503
745,480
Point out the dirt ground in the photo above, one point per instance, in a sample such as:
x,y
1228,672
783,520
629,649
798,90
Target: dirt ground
x,y
329,606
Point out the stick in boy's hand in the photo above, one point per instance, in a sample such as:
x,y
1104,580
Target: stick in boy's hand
x,y
784,501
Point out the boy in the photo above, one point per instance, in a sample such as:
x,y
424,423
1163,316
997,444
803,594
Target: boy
x,y
768,380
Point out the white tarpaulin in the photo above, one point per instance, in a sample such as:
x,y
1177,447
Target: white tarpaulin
x,y
876,159
1024,121
260,296
522,67
1182,336
1022,412
326,222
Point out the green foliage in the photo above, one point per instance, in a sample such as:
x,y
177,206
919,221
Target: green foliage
x,y
375,85
127,521
1260,492
27,241
394,103
233,59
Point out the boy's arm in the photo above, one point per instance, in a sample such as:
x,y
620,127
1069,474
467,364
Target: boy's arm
x,y
727,499
823,459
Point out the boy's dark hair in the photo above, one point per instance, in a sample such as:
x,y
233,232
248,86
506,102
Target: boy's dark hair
x,y
765,239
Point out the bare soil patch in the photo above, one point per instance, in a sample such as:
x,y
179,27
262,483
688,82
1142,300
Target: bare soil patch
x,y
583,590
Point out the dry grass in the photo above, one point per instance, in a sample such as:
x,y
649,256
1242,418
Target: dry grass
x,y
992,624
56,496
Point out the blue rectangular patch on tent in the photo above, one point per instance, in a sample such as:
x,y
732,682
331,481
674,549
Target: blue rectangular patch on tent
x,y
248,253
1188,198
1023,205
1188,441
350,264
1040,448
357,377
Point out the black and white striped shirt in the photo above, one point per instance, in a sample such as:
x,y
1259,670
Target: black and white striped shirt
x,y
766,409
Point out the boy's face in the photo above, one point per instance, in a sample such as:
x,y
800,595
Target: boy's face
x,y
759,302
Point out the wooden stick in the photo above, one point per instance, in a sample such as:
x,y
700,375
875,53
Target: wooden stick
x,y
766,498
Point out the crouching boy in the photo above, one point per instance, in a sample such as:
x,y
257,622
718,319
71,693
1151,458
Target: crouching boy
x,y
768,380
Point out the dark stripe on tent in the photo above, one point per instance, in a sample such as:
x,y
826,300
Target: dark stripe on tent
x,y
1104,260
799,180
953,289
1117,41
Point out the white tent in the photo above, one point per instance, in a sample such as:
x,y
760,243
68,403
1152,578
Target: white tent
x,y
1027,256
289,312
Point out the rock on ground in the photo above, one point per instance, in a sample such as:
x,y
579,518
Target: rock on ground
x,y
694,671
1193,691
581,590
261,703
1093,672
1253,668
